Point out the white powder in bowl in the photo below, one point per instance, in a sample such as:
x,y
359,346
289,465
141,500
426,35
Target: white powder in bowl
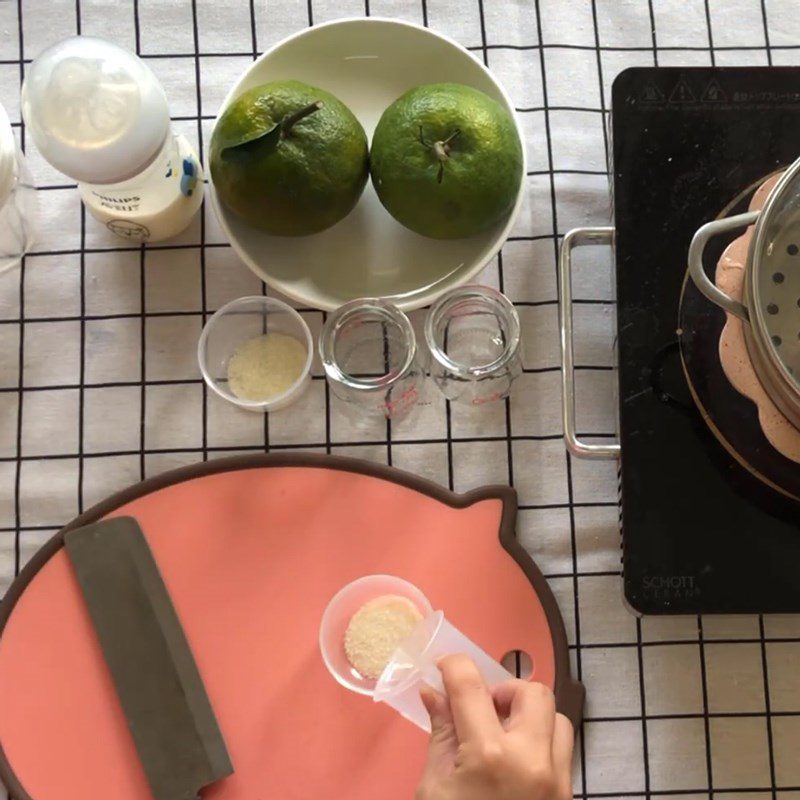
x,y
265,366
375,631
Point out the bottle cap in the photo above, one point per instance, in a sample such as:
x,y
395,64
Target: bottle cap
x,y
95,111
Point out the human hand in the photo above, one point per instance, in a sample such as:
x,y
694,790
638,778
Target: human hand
x,y
504,744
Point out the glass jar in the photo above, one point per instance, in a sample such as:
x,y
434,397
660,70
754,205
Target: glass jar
x,y
371,360
18,203
473,333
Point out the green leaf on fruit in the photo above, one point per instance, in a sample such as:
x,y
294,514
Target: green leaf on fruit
x,y
261,142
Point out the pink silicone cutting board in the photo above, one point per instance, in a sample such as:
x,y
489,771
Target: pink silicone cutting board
x,y
251,551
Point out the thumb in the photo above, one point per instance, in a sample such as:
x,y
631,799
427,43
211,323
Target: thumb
x,y
444,742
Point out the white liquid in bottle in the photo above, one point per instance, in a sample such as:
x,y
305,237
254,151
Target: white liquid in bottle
x,y
97,113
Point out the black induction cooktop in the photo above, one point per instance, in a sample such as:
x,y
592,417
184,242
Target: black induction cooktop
x,y
710,520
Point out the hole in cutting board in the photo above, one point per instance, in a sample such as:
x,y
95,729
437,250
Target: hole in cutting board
x,y
518,663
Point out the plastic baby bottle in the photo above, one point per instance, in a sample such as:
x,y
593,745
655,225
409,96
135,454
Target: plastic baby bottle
x,y
98,114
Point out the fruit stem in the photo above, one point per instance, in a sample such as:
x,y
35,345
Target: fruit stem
x,y
441,149
291,120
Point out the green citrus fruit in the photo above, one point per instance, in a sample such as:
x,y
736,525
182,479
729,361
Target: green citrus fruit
x,y
288,158
446,160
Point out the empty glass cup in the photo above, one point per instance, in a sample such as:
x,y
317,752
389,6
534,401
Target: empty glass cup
x,y
473,333
18,204
371,360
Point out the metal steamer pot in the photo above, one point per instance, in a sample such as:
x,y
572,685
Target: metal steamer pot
x,y
771,297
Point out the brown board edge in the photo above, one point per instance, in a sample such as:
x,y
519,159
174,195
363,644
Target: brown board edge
x,y
569,693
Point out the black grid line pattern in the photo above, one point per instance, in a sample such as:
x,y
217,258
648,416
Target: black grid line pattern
x,y
99,386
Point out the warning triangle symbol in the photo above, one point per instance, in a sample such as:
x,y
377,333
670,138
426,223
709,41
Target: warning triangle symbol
x,y
652,94
713,93
682,93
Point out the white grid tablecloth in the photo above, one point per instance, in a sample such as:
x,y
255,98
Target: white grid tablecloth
x,y
99,386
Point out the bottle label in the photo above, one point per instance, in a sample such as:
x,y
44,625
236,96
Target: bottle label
x,y
158,180
118,201
188,176
128,202
156,204
129,230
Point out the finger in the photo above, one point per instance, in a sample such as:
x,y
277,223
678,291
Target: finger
x,y
563,745
444,742
471,703
532,710
503,694
437,707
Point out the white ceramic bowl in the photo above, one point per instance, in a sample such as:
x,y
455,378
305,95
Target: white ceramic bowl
x,y
368,64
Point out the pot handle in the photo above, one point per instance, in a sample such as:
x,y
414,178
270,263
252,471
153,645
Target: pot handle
x,y
572,239
698,274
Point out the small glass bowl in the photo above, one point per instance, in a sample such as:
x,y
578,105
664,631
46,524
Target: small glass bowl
x,y
339,612
234,324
